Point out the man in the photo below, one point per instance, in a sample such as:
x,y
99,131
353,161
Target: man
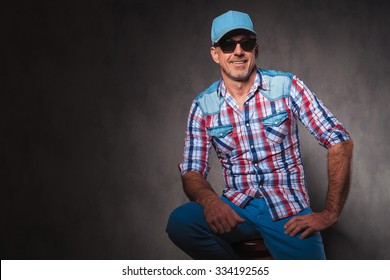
x,y
250,117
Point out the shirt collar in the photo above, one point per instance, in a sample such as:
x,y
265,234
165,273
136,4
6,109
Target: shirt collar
x,y
263,83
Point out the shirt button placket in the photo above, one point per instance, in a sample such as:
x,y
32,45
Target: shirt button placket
x,y
252,146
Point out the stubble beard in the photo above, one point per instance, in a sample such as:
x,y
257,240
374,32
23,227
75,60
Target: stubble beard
x,y
239,77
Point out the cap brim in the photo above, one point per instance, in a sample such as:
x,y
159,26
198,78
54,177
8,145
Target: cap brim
x,y
230,30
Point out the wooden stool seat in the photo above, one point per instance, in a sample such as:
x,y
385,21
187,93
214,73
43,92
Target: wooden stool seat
x,y
252,250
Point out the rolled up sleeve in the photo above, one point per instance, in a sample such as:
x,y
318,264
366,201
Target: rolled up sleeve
x,y
320,122
196,145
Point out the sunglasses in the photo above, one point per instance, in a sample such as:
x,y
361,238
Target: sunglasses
x,y
229,45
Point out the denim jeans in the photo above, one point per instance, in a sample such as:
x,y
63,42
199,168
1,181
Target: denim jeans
x,y
187,228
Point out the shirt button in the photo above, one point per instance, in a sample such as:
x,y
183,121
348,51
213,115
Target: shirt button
x,y
276,122
247,124
220,134
252,146
255,164
247,103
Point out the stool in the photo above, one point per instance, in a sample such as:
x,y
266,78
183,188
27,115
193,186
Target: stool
x,y
252,250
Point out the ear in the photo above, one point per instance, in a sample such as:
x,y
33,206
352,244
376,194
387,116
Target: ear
x,y
214,54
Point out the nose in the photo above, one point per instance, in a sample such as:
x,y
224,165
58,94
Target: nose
x,y
238,50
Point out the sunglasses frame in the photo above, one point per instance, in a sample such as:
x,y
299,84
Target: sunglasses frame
x,y
232,44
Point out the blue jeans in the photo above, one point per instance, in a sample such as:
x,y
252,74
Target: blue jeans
x,y
187,228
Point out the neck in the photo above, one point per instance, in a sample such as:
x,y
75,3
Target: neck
x,y
239,89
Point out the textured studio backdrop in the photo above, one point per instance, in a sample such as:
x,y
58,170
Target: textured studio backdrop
x,y
94,101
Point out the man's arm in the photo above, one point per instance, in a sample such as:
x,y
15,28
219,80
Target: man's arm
x,y
339,174
220,217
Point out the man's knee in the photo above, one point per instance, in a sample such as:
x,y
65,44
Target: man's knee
x,y
175,221
184,220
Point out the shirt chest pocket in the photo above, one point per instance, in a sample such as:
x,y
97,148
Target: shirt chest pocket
x,y
276,127
223,138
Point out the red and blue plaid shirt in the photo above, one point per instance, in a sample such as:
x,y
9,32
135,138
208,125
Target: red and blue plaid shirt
x,y
258,146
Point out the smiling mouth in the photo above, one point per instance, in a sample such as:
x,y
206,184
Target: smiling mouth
x,y
238,62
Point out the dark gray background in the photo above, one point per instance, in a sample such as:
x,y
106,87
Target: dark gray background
x,y
94,101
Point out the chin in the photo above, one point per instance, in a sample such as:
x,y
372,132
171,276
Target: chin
x,y
241,77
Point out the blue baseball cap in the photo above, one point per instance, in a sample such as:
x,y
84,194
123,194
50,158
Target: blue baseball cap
x,y
230,21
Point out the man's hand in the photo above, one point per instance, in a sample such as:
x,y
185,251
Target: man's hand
x,y
220,217
308,224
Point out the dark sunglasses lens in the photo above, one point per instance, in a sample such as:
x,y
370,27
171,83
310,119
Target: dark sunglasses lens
x,y
248,45
228,46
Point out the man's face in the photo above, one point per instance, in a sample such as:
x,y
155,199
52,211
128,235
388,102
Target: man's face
x,y
238,64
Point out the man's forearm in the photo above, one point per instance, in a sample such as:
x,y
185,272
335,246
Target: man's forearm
x,y
339,175
197,188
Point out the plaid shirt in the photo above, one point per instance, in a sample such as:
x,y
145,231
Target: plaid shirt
x,y
258,146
